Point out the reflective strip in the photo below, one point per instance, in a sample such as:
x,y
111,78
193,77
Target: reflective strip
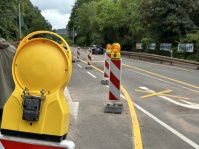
x,y
107,65
78,53
115,79
89,58
115,67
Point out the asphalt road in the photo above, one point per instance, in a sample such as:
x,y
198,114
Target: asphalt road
x,y
166,100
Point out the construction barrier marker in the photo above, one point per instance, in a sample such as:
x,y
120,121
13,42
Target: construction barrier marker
x,y
115,81
36,125
78,54
89,59
107,57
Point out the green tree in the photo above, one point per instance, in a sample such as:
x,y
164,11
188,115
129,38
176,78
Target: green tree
x,y
32,19
169,20
8,19
192,38
84,19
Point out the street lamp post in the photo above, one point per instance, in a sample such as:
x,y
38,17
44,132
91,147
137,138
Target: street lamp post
x,y
19,10
73,36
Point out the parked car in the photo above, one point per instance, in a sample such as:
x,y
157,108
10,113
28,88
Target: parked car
x,y
97,49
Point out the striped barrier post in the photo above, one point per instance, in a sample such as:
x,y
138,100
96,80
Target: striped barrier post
x,y
107,56
78,54
115,81
89,59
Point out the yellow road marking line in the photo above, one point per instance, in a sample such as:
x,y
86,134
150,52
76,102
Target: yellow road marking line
x,y
135,123
156,93
163,94
162,65
136,127
162,76
97,61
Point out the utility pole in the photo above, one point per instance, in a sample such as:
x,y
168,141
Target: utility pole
x,y
73,36
19,10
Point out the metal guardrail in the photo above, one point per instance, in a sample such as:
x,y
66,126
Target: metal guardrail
x,y
161,58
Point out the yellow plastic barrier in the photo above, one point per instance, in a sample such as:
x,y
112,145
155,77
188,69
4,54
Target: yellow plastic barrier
x,y
37,108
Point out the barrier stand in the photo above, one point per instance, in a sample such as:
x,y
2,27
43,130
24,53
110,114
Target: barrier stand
x,y
115,81
107,57
36,115
78,54
89,59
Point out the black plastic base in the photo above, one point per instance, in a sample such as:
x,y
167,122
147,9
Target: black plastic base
x,y
73,60
113,108
105,82
89,68
33,135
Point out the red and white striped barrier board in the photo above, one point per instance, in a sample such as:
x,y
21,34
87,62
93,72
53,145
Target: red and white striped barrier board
x,y
89,59
105,80
78,54
8,142
106,65
115,79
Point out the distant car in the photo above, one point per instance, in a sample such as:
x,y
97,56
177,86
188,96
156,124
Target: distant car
x,y
97,49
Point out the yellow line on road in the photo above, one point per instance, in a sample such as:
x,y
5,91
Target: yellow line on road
x,y
136,127
98,61
163,94
162,76
156,93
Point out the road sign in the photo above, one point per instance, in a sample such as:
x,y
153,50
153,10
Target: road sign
x,y
186,47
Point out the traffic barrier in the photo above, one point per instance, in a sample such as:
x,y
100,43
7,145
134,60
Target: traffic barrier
x,y
89,59
78,54
115,81
107,56
24,143
37,109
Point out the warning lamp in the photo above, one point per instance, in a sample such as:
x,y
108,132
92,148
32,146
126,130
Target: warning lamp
x,y
108,48
115,50
37,108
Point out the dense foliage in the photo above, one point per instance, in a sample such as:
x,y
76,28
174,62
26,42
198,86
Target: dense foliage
x,y
132,21
32,20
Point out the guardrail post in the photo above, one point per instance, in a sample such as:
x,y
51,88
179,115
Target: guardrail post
x,y
115,81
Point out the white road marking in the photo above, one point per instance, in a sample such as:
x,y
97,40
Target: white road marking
x,y
122,96
91,74
190,105
79,65
181,136
187,140
164,81
73,106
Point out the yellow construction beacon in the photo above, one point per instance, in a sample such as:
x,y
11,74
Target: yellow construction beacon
x,y
115,51
37,108
108,48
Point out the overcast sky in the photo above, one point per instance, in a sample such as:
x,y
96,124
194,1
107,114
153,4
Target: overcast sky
x,y
57,12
